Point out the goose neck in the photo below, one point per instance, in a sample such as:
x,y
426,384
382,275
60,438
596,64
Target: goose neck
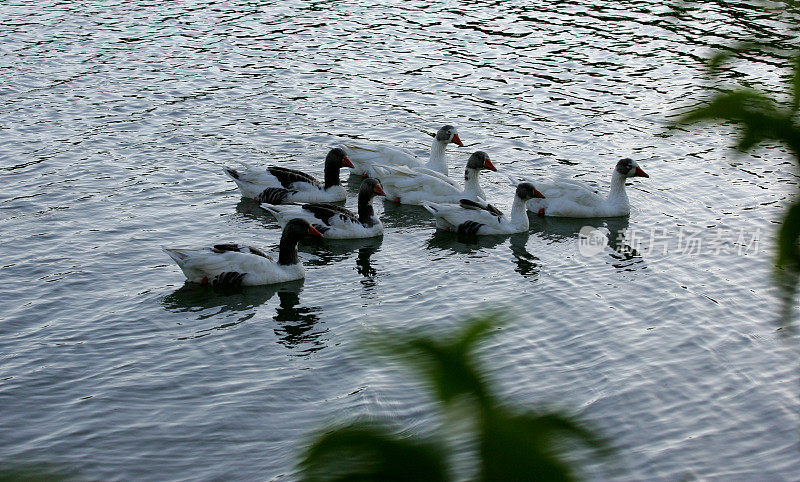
x,y
617,191
331,174
436,161
472,187
287,250
365,210
519,213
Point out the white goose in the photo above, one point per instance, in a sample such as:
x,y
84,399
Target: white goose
x,y
278,184
574,199
481,218
336,222
413,185
238,265
364,157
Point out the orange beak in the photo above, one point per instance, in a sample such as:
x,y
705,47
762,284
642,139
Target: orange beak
x,y
379,190
488,165
640,173
347,163
312,231
457,140
537,193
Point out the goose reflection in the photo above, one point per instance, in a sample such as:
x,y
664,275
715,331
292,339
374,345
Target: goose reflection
x,y
527,264
297,325
329,251
458,243
404,216
250,210
195,298
569,230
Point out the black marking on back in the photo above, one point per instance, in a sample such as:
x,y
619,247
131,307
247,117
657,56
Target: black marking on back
x,y
258,252
470,204
232,172
239,248
322,228
274,195
228,279
288,176
221,248
325,211
469,227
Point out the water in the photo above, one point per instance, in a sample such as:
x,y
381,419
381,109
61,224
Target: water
x,y
116,120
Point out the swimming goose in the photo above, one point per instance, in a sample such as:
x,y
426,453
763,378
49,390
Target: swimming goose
x,y
364,157
240,265
336,222
481,218
413,185
573,199
279,184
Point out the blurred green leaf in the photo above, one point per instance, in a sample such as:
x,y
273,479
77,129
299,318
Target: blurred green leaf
x,y
511,445
788,238
795,83
363,451
517,447
761,119
447,365
33,472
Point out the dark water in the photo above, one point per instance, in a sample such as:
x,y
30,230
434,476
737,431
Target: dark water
x,y
115,119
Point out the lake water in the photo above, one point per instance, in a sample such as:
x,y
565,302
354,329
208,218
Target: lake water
x,y
115,121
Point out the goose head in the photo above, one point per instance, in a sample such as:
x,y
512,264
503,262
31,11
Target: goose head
x,y
448,134
480,160
337,158
370,187
526,191
296,229
629,168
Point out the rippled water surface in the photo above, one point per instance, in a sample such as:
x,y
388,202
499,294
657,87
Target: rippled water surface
x,y
115,121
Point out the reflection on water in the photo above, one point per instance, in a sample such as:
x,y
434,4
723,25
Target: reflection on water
x,y
250,210
195,298
404,216
454,243
622,255
462,243
296,324
527,264
329,251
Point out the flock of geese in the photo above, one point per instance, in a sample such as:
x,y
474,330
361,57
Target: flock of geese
x,y
303,205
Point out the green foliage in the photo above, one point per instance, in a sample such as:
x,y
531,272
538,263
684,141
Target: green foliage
x,y
512,444
32,473
762,117
364,451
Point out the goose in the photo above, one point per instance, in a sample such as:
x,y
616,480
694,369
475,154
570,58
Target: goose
x,y
240,265
481,218
574,199
279,184
364,157
336,222
413,185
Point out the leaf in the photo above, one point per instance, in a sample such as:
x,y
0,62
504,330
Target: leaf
x,y
788,238
363,451
523,446
447,365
